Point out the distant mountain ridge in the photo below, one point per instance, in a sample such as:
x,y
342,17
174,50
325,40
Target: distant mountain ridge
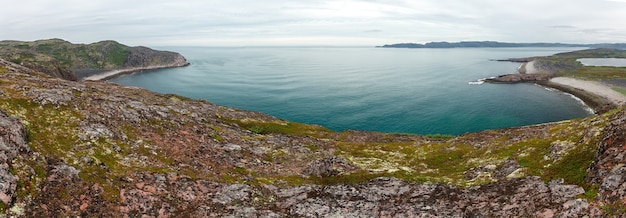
x,y
494,44
62,59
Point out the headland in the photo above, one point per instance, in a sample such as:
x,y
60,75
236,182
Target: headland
x,y
563,72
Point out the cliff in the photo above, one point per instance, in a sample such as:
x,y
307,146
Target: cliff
x,y
69,61
99,149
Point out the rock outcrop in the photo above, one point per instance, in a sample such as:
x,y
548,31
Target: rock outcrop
x,y
519,78
96,149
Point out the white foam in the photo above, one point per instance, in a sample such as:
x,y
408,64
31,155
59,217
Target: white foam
x,y
477,82
587,108
550,89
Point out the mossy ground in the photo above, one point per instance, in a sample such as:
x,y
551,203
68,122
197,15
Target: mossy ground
x,y
446,162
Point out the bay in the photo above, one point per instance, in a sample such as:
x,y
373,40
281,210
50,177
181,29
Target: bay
x,y
421,91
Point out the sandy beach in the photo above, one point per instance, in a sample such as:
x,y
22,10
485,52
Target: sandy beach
x,y
594,87
114,73
595,93
102,76
528,68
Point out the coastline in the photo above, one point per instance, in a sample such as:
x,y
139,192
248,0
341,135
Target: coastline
x,y
596,95
118,72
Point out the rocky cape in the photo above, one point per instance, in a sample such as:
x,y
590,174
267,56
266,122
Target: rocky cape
x,y
541,70
97,149
63,59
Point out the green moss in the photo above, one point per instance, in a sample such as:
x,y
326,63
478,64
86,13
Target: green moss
x,y
240,175
439,136
312,148
601,73
352,178
40,171
50,129
617,209
282,127
573,166
117,55
620,90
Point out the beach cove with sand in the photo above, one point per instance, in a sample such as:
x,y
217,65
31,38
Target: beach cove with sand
x,y
581,88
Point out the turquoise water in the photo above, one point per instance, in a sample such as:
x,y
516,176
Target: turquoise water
x,y
423,91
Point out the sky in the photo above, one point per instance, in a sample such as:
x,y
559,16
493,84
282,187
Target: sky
x,y
313,22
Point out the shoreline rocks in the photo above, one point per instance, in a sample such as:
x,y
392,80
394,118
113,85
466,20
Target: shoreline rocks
x,y
518,78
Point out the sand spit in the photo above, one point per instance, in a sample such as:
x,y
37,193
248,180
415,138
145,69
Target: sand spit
x,y
594,87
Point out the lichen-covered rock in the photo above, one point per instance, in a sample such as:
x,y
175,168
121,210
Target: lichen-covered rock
x,y
12,143
8,184
609,167
50,96
331,166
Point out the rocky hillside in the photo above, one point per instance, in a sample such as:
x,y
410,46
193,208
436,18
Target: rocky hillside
x,y
96,149
69,61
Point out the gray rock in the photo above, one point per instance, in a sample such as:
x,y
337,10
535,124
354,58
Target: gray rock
x,y
8,184
331,166
558,149
508,167
61,172
50,96
12,143
562,193
95,131
235,192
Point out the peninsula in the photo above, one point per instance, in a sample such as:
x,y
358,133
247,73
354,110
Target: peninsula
x,y
97,149
601,88
95,61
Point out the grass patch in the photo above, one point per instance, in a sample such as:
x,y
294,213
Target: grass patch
x,y
573,166
616,209
601,73
436,162
281,127
439,136
448,161
620,90
50,129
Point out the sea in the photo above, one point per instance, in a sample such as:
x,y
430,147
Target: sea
x,y
415,91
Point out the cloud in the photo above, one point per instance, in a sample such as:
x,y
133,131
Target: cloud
x,y
562,27
312,22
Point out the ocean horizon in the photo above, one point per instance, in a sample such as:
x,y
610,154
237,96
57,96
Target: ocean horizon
x,y
418,91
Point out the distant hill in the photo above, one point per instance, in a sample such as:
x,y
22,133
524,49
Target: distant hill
x,y
494,44
60,58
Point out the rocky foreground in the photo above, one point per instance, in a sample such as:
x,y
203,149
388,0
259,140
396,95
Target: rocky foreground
x,y
96,149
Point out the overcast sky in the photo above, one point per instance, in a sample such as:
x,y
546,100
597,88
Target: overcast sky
x,y
313,22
